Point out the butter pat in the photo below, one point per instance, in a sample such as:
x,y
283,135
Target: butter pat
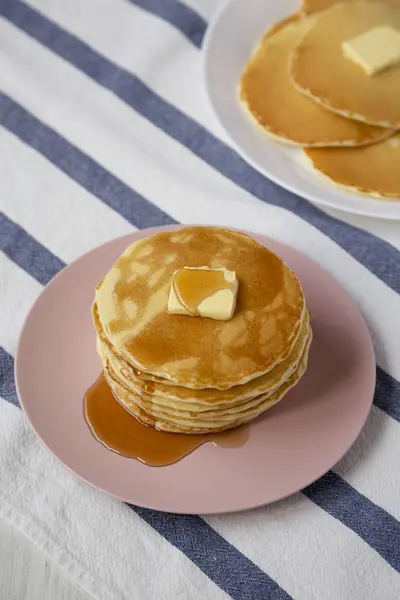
x,y
375,49
204,292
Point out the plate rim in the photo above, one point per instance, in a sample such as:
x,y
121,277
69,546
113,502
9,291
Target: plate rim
x,y
374,206
130,237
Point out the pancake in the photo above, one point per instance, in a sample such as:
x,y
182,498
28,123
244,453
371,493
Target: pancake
x,y
197,375
164,392
175,421
199,352
270,96
373,171
293,18
321,71
310,7
151,406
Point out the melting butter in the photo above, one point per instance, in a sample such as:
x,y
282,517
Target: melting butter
x,y
374,50
205,292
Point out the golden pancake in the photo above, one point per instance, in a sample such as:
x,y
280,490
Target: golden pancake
x,y
173,395
193,423
293,18
270,96
151,407
373,170
198,352
309,7
322,72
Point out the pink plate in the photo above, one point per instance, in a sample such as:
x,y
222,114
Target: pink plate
x,y
289,447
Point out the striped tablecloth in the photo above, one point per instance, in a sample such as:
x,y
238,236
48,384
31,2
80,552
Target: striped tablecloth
x,y
104,128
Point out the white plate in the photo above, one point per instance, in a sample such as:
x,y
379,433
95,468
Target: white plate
x,y
229,42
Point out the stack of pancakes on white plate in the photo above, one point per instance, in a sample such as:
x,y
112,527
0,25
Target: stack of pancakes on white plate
x,y
302,90
196,375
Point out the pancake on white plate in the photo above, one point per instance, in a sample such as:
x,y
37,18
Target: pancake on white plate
x,y
267,91
321,70
373,170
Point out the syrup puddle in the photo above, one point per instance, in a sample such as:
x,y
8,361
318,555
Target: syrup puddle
x,y
123,433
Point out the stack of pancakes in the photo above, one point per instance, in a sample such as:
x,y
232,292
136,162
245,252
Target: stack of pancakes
x,y
189,374
301,89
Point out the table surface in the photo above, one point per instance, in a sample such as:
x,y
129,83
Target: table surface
x,y
27,574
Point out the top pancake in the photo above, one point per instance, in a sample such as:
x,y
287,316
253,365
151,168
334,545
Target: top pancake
x,y
320,69
309,7
268,92
194,351
293,18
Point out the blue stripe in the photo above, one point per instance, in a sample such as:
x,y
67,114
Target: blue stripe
x,y
26,252
387,394
7,383
331,493
214,555
180,16
374,525
378,256
84,170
